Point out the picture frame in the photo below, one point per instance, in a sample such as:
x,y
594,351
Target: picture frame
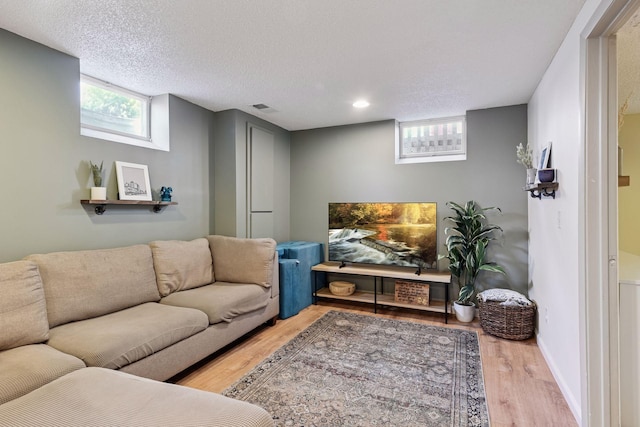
x,y
545,157
133,181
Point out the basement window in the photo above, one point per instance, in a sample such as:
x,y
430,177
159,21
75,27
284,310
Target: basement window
x,y
116,114
433,140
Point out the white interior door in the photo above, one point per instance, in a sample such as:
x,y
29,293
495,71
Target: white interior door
x,y
260,191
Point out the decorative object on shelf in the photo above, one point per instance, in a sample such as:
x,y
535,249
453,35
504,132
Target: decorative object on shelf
x,y
546,175
531,175
165,194
133,181
466,244
524,156
98,192
506,314
341,288
412,292
545,157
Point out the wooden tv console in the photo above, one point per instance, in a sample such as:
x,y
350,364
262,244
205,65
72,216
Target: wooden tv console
x,y
378,297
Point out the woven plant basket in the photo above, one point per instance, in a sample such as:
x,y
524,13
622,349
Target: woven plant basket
x,y
506,321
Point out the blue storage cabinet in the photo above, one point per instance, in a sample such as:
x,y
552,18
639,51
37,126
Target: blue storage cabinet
x,y
295,260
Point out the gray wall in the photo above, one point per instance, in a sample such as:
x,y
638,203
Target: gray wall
x,y
43,166
356,164
229,174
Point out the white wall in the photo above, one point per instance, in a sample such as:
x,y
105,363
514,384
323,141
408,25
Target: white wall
x,y
629,197
555,114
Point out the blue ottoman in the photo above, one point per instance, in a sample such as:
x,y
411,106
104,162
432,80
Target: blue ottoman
x,y
295,260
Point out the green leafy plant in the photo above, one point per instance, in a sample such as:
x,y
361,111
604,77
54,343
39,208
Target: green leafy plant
x,y
97,173
466,243
524,155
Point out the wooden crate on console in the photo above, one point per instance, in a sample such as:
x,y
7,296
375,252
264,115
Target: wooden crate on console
x,y
412,292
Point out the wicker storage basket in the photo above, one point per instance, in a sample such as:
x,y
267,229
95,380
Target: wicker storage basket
x,y
506,321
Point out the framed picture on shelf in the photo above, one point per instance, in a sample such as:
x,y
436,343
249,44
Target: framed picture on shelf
x,y
133,181
545,157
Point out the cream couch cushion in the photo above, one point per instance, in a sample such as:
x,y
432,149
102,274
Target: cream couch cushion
x,y
24,369
181,265
23,313
84,284
243,260
100,397
222,301
118,339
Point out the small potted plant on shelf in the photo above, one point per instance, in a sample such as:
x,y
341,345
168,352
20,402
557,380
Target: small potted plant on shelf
x,y
524,156
466,244
98,192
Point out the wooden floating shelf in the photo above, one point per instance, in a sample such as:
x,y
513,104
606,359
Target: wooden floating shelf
x,y
624,181
546,189
101,205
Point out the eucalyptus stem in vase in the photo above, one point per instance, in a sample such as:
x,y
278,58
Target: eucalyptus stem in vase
x,y
524,156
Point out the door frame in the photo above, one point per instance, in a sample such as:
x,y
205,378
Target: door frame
x,y
599,298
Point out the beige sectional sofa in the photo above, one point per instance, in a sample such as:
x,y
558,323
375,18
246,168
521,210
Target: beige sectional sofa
x,y
70,321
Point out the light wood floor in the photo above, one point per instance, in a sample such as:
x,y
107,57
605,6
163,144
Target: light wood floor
x,y
520,388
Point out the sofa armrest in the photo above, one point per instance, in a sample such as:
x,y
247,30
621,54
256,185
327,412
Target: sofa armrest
x,y
275,281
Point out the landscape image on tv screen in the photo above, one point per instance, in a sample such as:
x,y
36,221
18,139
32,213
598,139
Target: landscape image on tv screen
x,y
402,234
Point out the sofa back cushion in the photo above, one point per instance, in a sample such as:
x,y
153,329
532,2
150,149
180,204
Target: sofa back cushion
x,y
84,284
238,260
23,313
181,265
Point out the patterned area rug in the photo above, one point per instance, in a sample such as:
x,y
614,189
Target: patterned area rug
x,y
355,370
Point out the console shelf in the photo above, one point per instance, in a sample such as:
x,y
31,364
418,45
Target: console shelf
x,y
382,299
101,205
378,297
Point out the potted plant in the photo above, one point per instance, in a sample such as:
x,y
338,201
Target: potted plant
x,y
98,192
524,156
466,242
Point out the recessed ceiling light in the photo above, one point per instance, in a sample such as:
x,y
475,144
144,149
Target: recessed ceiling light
x,y
361,104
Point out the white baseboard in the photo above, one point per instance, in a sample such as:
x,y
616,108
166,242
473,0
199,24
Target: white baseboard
x,y
574,404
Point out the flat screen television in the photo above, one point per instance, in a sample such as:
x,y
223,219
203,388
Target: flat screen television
x,y
400,234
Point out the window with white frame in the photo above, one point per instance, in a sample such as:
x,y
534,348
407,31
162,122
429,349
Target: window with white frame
x,y
113,113
433,140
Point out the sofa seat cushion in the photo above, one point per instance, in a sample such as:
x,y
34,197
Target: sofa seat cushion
x,y
221,301
99,397
181,265
23,311
24,369
118,339
85,284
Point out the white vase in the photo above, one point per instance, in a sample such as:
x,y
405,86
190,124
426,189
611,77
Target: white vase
x,y
98,193
531,175
464,313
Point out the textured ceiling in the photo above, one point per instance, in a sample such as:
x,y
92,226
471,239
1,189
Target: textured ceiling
x,y
309,60
628,44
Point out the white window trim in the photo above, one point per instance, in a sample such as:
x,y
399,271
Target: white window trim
x,y
158,122
432,156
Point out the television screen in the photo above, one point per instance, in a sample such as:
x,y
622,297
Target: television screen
x,y
402,234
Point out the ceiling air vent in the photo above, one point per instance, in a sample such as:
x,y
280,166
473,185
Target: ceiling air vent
x,y
264,108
